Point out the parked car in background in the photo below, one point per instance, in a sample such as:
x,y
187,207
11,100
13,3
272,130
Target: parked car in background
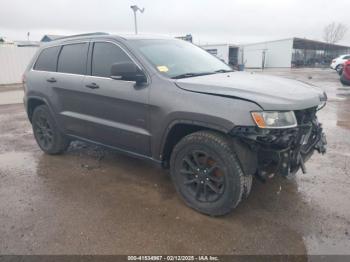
x,y
337,63
171,102
345,76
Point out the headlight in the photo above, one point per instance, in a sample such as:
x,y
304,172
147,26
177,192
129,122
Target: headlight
x,y
271,119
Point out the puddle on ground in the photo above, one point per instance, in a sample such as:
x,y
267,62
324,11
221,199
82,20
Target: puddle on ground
x,y
11,97
18,162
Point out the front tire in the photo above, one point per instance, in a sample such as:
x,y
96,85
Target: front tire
x,y
207,174
46,133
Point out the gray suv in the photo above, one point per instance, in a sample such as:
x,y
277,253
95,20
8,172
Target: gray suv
x,y
171,102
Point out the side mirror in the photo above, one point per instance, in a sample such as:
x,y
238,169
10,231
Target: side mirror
x,y
127,71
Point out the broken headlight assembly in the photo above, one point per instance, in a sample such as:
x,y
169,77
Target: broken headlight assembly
x,y
274,119
282,141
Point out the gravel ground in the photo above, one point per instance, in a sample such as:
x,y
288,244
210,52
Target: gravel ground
x,y
95,201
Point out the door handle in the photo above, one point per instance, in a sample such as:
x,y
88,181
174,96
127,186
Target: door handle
x,y
93,86
51,80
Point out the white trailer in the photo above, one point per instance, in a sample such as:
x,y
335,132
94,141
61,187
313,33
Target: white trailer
x,y
226,52
267,54
13,62
260,55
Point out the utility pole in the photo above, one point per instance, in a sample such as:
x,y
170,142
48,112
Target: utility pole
x,y
135,8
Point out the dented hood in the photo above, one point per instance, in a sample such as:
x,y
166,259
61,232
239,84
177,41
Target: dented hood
x,y
269,92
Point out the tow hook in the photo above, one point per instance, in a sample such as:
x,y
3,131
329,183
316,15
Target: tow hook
x,y
290,165
302,164
321,144
284,166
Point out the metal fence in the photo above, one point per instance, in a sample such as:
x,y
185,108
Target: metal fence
x,y
13,62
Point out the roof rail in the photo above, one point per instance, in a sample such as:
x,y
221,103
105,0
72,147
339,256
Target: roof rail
x,y
88,34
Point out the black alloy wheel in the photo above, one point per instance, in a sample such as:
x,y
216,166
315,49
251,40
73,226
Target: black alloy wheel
x,y
46,132
207,173
202,176
43,131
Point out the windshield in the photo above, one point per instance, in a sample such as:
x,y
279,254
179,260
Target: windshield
x,y
179,59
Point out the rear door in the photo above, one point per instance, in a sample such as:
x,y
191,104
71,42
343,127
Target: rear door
x,y
115,111
39,77
67,87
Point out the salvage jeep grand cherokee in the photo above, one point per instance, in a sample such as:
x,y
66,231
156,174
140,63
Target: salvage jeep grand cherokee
x,y
171,102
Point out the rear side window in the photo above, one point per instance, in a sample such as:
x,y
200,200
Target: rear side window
x,y
104,56
72,59
47,60
346,57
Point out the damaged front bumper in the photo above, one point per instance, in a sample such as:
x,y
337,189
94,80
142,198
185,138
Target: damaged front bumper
x,y
281,151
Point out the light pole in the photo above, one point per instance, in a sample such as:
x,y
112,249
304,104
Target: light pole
x,y
135,8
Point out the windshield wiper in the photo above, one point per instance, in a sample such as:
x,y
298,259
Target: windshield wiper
x,y
223,71
185,75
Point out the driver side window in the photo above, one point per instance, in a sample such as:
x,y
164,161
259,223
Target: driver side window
x,y
104,55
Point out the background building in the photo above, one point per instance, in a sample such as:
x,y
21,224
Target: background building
x,y
27,43
287,53
49,38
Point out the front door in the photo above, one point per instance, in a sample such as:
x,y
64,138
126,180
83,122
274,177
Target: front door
x,y
115,111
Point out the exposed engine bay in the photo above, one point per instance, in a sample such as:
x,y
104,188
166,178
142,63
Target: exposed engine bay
x,y
283,151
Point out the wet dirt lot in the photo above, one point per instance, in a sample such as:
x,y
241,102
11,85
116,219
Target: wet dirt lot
x,y
95,201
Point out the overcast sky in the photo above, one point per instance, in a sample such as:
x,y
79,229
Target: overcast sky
x,y
209,21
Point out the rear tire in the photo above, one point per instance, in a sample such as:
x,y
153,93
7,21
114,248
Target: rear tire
x,y
207,174
46,133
